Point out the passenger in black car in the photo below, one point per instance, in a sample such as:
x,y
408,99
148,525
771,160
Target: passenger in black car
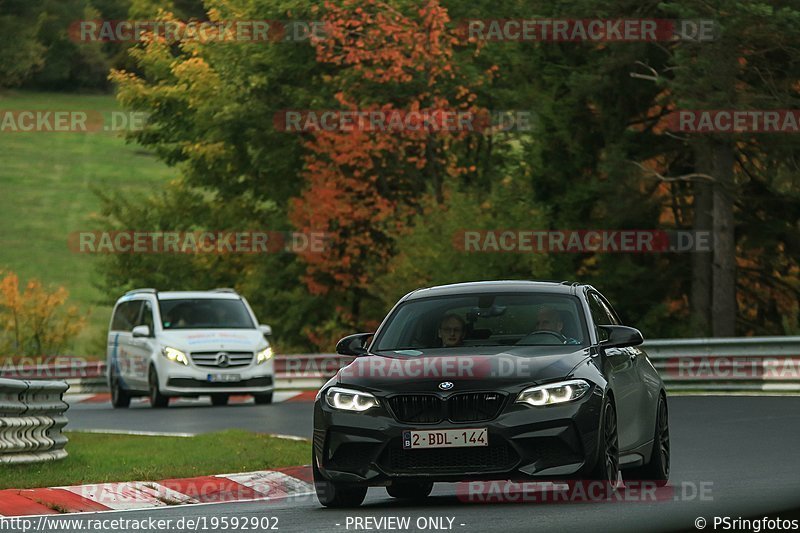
x,y
451,330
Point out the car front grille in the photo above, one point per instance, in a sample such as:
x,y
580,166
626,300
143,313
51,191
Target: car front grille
x,y
493,458
462,407
211,359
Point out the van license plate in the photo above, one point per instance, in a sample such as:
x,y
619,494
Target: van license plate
x,y
223,378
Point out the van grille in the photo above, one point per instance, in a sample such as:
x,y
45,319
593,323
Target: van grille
x,y
218,359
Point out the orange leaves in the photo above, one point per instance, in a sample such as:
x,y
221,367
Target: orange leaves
x,y
383,45
364,184
35,321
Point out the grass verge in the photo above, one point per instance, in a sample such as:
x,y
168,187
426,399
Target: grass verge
x,y
48,180
102,458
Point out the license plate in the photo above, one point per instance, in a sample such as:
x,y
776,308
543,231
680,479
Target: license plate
x,y
445,438
223,378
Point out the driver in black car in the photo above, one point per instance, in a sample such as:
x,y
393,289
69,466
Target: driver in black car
x,y
548,319
451,330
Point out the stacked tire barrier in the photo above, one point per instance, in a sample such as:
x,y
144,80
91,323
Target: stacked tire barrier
x,y
31,421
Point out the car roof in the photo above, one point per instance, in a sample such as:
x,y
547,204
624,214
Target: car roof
x,y
474,287
178,295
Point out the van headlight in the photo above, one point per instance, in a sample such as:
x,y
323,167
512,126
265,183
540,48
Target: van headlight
x,y
175,355
264,355
350,400
561,392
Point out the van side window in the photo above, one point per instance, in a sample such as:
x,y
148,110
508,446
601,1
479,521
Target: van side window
x,y
126,315
147,317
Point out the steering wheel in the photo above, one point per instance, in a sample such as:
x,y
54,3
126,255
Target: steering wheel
x,y
562,339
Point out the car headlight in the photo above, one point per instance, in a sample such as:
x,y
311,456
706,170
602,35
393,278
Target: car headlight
x,y
350,400
561,392
173,354
264,355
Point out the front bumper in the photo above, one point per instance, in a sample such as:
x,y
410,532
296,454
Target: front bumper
x,y
179,380
554,442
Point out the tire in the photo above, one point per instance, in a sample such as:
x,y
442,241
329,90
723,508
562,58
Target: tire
x,y
606,469
336,495
157,400
219,399
656,469
410,489
120,398
263,399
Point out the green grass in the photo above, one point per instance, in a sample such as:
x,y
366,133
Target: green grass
x,y
101,458
47,180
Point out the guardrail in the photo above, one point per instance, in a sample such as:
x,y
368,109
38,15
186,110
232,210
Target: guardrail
x,y
730,364
31,420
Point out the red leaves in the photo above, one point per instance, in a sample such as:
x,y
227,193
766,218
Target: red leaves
x,y
363,185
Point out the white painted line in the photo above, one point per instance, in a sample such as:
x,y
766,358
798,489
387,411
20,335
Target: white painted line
x,y
133,432
130,495
77,398
289,437
271,483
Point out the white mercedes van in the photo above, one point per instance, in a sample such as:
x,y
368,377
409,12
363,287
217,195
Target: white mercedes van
x,y
165,344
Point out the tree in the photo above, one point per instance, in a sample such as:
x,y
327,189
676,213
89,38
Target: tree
x,y
20,21
34,321
365,185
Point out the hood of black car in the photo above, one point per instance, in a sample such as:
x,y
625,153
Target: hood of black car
x,y
460,370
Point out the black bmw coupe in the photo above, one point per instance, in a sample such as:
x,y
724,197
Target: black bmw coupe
x,y
495,380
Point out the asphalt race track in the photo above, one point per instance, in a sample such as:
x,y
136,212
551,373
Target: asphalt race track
x,y
742,451
287,418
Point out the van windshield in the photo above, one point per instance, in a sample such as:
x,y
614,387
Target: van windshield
x,y
205,313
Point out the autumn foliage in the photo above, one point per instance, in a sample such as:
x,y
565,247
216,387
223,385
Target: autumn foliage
x,y
363,187
35,321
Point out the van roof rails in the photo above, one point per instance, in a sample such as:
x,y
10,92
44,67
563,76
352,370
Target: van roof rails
x,y
571,283
140,291
225,289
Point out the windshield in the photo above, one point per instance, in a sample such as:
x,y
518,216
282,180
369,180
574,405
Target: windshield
x,y
450,322
205,313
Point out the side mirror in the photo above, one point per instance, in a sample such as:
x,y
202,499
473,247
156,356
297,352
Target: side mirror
x,y
621,337
353,345
265,329
141,331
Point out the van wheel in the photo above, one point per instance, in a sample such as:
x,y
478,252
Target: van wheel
x,y
219,399
119,396
263,399
156,398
